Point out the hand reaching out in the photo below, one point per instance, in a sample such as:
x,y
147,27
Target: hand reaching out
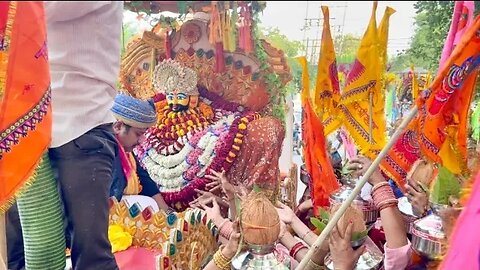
x,y
232,246
417,197
206,196
359,167
219,181
213,211
343,255
285,213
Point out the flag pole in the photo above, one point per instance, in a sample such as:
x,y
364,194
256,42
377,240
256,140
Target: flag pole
x,y
370,118
333,221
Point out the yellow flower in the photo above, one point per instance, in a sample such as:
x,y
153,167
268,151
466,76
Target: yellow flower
x,y
119,238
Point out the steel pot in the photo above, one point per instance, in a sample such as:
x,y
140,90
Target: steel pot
x,y
407,213
428,237
370,213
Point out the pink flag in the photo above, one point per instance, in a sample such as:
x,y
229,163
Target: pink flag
x,y
462,18
348,143
464,248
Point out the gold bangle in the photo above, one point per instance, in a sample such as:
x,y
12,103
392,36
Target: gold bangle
x,y
220,260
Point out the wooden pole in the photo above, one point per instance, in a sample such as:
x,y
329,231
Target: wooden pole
x,y
370,110
333,221
3,243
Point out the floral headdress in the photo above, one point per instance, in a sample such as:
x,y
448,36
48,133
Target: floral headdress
x,y
169,75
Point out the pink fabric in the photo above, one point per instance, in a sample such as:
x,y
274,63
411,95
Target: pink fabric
x,y
136,258
464,249
282,253
348,144
457,27
397,258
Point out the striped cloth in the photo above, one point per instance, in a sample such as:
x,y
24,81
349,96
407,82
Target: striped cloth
x,y
42,221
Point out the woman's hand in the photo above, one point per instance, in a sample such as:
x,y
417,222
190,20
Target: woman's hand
x,y
341,251
212,209
232,246
305,206
417,197
360,165
285,213
220,181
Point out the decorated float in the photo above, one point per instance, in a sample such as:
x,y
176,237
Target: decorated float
x,y
218,91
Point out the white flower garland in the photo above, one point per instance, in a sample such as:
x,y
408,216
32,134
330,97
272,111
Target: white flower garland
x,y
170,161
167,170
205,157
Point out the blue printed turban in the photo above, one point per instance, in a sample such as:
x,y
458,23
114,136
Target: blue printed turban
x,y
134,112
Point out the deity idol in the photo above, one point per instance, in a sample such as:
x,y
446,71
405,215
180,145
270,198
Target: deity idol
x,y
213,109
196,132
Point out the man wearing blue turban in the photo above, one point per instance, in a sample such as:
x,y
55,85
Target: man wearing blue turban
x,y
134,117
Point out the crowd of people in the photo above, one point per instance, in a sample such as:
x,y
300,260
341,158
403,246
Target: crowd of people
x,y
95,131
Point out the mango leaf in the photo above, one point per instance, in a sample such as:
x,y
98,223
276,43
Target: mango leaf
x,y
359,235
318,224
256,188
324,215
445,185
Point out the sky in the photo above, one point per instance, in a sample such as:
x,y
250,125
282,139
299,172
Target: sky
x,y
290,16
352,17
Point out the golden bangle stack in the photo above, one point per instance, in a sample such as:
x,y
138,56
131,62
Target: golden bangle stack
x,y
220,260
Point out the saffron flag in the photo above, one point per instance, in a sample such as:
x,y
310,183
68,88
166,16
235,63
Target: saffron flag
x,y
442,114
365,120
317,160
25,111
327,88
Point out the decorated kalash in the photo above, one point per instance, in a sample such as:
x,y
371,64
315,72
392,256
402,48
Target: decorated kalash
x,y
217,89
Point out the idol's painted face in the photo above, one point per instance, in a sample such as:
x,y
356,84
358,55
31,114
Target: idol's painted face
x,y
178,101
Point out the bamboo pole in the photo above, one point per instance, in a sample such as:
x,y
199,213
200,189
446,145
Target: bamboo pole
x,y
370,110
333,221
3,242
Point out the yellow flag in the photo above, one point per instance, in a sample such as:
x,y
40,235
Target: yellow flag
x,y
365,75
364,118
327,89
379,106
415,87
383,36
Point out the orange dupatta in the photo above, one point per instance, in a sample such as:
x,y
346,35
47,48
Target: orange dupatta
x,y
25,111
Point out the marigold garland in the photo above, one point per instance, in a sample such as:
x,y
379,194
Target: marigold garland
x,y
179,164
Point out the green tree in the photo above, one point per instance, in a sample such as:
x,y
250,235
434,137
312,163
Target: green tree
x,y
432,22
292,49
346,47
128,31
